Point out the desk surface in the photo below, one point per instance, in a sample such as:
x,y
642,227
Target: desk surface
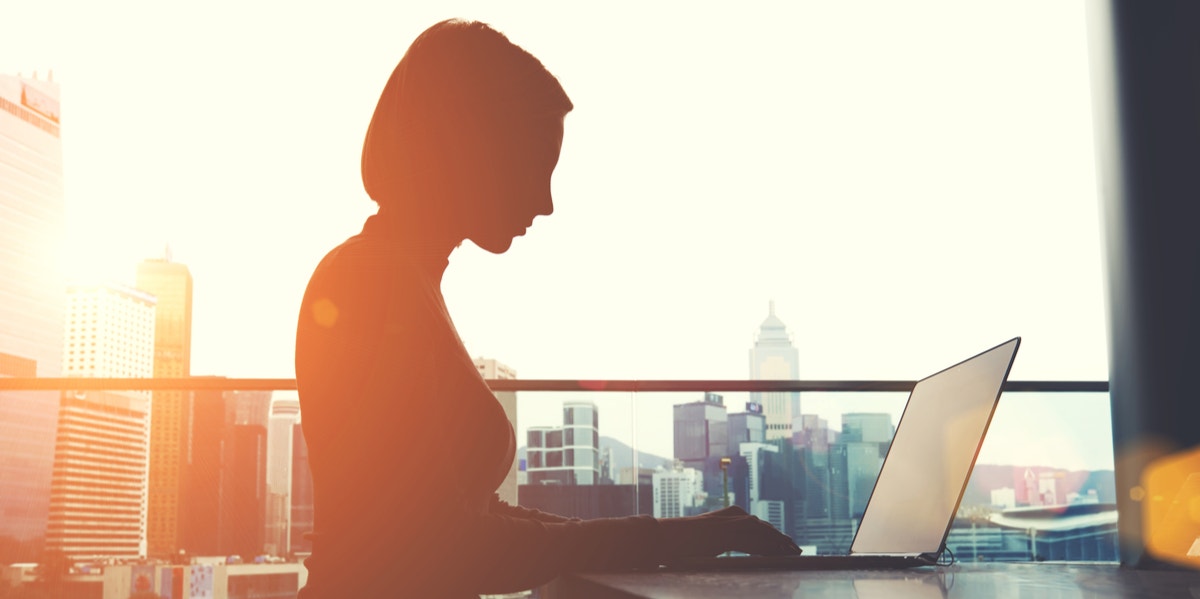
x,y
1047,579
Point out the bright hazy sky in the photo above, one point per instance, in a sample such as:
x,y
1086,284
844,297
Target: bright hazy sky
x,y
910,182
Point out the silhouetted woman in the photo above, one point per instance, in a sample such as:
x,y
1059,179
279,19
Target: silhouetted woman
x,y
406,442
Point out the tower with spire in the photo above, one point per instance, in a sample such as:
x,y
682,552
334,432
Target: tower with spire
x,y
774,358
171,283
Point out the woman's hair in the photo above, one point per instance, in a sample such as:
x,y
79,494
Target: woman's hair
x,y
460,85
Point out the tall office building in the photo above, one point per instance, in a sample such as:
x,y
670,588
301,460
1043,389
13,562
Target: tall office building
x,y
32,228
746,427
814,439
768,510
244,480
251,408
701,430
868,427
491,369
224,503
98,493
774,358
285,413
856,459
677,492
566,455
171,283
200,529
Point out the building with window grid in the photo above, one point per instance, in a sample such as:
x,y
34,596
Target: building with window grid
x,y
99,490
567,454
171,283
32,228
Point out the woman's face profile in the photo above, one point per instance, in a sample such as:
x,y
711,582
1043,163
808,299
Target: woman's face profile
x,y
514,186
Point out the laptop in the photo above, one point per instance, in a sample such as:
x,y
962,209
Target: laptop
x,y
924,475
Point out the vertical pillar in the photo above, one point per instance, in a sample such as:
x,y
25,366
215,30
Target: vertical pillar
x,y
1146,74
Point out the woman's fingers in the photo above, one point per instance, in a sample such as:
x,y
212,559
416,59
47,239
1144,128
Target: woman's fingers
x,y
757,537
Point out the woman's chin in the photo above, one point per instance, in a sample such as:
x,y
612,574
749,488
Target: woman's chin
x,y
497,245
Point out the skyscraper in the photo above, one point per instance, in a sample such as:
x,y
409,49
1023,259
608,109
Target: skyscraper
x,y
98,493
243,497
768,510
224,503
868,427
31,314
171,283
567,455
677,492
857,459
814,439
243,474
200,529
774,358
701,430
746,427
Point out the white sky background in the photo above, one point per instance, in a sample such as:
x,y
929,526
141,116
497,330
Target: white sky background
x,y
910,182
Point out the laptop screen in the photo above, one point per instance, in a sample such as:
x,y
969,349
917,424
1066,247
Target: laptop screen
x,y
936,441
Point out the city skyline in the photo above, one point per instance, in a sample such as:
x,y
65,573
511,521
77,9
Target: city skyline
x,y
815,485
170,415
99,491
900,219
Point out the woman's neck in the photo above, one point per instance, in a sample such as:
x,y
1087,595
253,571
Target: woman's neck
x,y
428,245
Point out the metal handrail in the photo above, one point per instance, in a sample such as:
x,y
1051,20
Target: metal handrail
x,y
215,383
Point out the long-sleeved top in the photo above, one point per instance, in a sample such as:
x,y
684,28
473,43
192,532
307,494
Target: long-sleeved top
x,y
407,444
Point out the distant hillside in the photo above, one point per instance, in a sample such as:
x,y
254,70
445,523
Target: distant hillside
x,y
988,477
622,455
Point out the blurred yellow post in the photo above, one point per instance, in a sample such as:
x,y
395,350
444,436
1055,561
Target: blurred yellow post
x,y
1170,497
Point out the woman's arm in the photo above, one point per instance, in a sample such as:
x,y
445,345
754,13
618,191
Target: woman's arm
x,y
503,508
514,553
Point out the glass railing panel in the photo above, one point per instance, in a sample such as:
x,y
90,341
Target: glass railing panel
x,y
805,462
1042,488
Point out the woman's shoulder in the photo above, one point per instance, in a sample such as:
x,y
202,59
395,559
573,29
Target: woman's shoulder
x,y
365,261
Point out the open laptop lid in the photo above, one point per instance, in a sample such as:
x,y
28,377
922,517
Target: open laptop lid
x,y
927,467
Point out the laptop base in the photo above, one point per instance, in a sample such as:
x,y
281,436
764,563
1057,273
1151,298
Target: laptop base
x,y
801,562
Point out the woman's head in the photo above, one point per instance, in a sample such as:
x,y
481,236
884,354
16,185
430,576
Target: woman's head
x,y
462,101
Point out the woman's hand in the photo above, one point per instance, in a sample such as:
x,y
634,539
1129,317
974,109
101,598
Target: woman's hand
x,y
728,529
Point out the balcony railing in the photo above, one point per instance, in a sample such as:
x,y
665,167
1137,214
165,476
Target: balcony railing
x,y
214,383
1016,512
